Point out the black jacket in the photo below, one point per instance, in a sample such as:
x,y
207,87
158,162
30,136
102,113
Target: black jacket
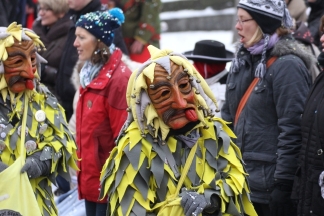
x,y
64,88
54,40
311,157
12,11
268,129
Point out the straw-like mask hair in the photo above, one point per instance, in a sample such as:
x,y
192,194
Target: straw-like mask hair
x,y
8,36
140,108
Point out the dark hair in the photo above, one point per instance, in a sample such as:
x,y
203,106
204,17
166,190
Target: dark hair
x,y
102,53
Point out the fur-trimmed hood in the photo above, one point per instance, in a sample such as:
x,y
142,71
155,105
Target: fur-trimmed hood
x,y
75,79
288,45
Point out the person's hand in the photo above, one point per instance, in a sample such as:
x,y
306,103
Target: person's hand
x,y
193,203
35,167
3,166
111,4
136,47
280,202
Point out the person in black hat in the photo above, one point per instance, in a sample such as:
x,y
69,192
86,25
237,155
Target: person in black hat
x,y
210,58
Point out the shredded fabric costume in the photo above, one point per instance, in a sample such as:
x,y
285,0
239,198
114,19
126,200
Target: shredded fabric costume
x,y
143,170
51,135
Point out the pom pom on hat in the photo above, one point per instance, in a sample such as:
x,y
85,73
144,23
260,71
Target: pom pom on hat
x,y
118,13
101,24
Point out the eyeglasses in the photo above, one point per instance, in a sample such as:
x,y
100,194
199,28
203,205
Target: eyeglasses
x,y
241,22
44,9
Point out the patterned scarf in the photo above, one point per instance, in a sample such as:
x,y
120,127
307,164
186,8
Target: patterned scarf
x,y
261,47
88,72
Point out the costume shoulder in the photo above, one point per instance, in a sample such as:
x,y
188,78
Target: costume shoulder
x,y
139,176
47,133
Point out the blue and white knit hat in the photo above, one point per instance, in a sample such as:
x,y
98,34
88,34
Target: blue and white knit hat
x,y
102,23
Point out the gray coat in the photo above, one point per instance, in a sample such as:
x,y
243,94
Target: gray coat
x,y
268,129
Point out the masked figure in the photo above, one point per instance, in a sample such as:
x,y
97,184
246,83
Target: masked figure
x,y
49,145
168,116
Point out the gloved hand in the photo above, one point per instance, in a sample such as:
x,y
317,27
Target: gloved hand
x,y
280,201
35,167
193,203
3,166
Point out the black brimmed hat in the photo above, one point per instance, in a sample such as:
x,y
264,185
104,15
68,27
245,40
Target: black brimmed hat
x,y
210,51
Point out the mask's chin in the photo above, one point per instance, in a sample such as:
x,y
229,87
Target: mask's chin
x,y
184,129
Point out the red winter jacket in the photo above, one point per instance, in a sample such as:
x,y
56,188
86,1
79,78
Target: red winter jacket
x,y
100,114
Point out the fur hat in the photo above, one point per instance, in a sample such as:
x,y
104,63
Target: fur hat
x,y
102,23
269,14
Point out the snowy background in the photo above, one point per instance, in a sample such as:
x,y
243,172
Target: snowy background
x,y
185,40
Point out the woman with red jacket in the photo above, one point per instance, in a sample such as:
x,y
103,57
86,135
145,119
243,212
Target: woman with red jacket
x,y
101,108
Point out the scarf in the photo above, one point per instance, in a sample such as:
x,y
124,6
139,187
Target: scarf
x,y
208,70
88,72
261,47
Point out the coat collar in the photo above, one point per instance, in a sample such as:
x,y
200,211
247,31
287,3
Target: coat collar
x,y
106,71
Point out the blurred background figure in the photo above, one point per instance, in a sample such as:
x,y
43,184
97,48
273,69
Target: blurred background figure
x,y
309,181
210,58
297,9
302,34
314,17
52,26
12,11
31,12
141,27
64,88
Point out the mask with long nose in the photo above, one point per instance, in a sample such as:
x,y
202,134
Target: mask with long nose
x,y
20,66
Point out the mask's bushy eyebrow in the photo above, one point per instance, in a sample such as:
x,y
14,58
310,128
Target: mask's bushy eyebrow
x,y
160,84
15,53
181,75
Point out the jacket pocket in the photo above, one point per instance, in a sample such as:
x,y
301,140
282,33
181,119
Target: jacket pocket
x,y
259,89
101,154
260,175
261,168
231,86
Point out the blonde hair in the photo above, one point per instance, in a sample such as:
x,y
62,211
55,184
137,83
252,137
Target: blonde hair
x,y
258,35
57,6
